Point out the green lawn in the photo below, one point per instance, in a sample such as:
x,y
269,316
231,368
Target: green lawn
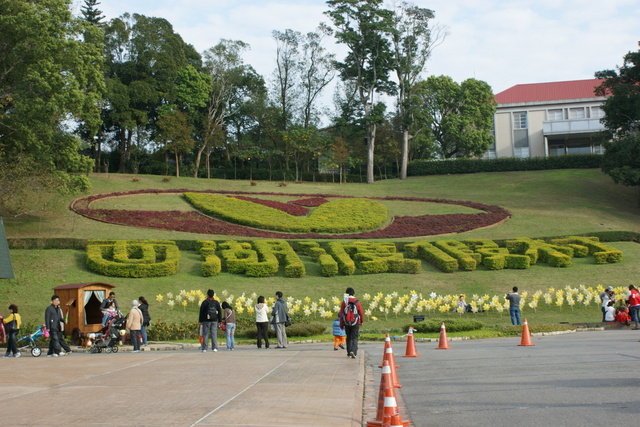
x,y
543,203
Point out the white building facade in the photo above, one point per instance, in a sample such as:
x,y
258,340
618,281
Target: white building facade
x,y
548,119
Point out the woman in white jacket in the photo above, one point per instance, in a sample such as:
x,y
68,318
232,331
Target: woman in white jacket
x,y
262,322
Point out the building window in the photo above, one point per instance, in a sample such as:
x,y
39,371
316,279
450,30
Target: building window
x,y
576,113
554,115
597,113
520,120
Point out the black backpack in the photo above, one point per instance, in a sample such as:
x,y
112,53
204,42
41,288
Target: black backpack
x,y
212,311
351,315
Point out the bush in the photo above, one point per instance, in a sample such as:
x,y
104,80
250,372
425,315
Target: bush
x,y
453,325
503,164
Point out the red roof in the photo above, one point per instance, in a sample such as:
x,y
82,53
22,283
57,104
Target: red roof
x,y
553,91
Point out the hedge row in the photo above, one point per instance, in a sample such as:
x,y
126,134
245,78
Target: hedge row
x,y
133,258
337,216
452,255
503,164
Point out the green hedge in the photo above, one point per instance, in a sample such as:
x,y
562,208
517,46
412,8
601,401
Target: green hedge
x,y
133,258
452,325
503,164
336,216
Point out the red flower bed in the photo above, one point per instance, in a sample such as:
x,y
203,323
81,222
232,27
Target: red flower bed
x,y
285,207
312,202
195,222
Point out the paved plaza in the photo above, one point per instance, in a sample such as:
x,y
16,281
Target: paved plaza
x,y
576,379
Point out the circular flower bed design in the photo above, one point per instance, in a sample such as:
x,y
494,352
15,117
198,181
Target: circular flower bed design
x,y
366,214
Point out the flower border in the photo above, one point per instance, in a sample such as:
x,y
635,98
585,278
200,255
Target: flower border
x,y
196,222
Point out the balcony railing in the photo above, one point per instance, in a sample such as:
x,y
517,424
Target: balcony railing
x,y
572,126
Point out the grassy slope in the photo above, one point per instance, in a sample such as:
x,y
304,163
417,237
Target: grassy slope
x,y
543,203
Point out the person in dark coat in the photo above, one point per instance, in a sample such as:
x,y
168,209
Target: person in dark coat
x,y
53,321
146,319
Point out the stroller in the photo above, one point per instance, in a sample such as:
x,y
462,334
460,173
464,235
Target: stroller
x,y
107,338
30,341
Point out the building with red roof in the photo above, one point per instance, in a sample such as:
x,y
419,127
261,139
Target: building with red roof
x,y
547,119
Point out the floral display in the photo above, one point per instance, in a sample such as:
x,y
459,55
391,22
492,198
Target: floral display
x,y
195,222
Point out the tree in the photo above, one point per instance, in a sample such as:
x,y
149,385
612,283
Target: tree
x,y
227,70
622,107
458,117
364,27
175,131
621,160
91,13
144,58
413,41
49,78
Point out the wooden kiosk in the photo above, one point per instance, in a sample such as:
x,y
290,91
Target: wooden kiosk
x,y
82,303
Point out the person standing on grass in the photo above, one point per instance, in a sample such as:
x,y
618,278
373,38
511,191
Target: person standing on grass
x,y
514,305
262,322
210,316
134,324
53,321
12,332
351,317
279,317
633,298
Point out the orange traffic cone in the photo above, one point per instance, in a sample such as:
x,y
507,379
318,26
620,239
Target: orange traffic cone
x,y
389,357
385,382
411,345
387,345
444,343
396,421
390,409
526,335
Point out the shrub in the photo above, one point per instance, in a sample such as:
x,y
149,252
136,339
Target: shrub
x,y
133,258
453,325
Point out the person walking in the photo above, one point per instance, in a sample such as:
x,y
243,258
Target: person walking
x,y
351,317
134,324
262,322
514,305
53,321
210,315
339,335
146,319
12,323
279,317
230,325
633,298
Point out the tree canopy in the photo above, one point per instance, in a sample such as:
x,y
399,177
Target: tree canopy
x,y
621,159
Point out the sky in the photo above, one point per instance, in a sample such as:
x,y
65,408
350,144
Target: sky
x,y
502,42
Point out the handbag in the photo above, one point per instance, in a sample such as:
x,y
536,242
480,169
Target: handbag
x,y
12,326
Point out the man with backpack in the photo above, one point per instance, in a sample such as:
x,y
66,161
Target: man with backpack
x,y
210,315
351,317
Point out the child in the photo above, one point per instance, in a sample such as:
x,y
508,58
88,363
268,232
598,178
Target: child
x,y
339,335
622,315
109,314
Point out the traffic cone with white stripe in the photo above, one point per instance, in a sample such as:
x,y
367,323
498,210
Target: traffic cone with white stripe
x,y
526,335
411,345
444,343
387,345
390,409
385,382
